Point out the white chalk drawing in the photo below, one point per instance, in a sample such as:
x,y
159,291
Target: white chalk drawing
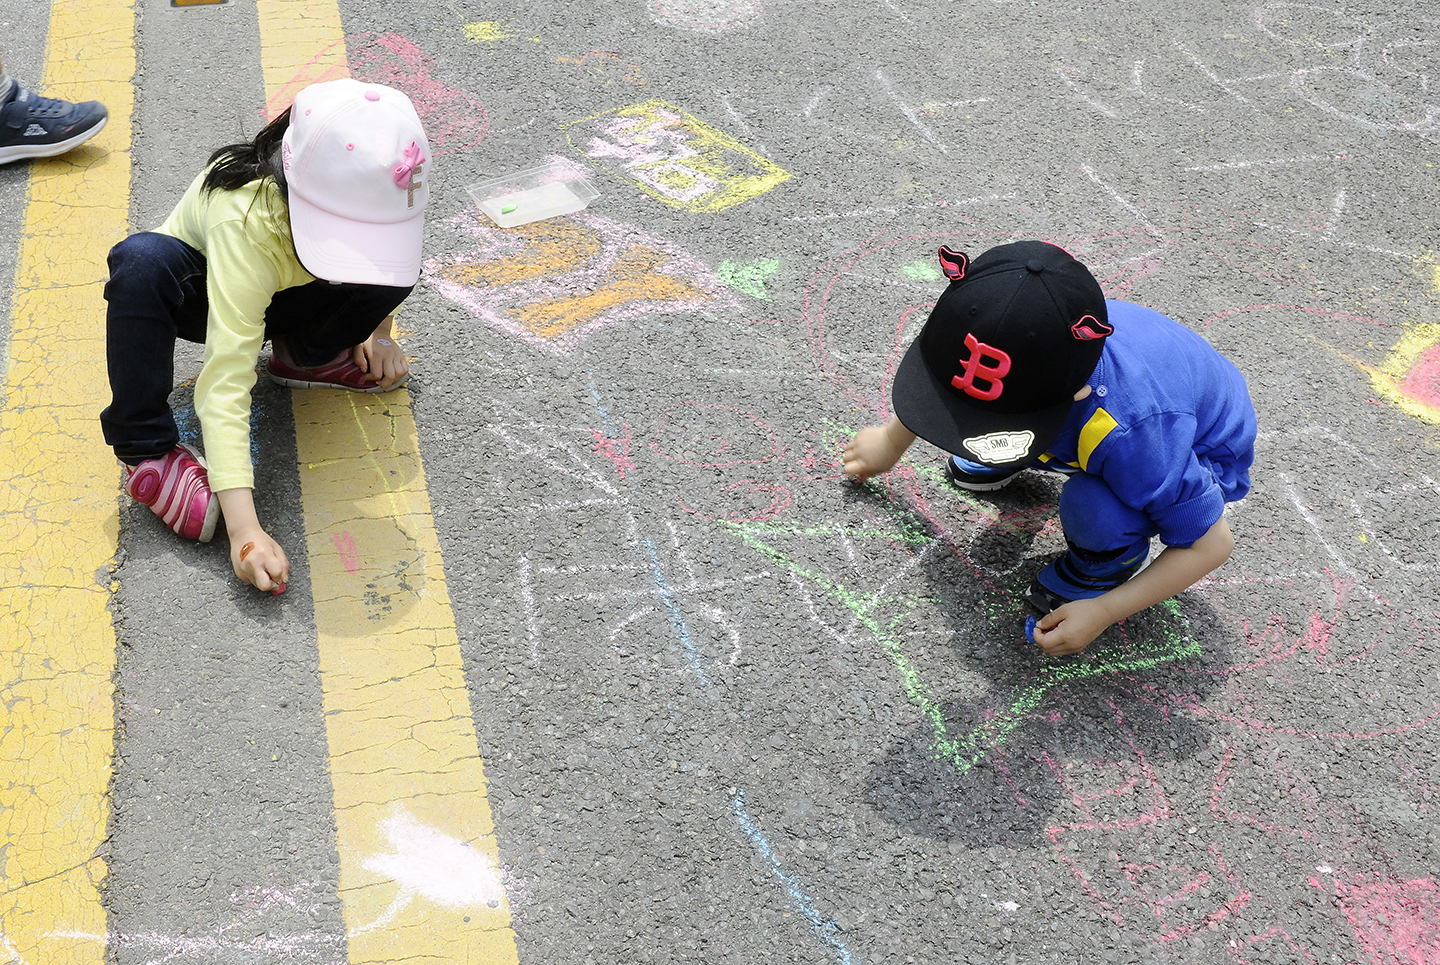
x,y
1373,74
261,934
429,865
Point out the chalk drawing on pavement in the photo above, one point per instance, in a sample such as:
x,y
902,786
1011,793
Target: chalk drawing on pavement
x,y
1410,374
704,16
486,32
674,156
454,120
554,282
599,68
426,864
1393,920
1374,74
749,277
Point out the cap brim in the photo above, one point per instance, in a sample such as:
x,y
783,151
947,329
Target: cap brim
x,y
356,252
936,413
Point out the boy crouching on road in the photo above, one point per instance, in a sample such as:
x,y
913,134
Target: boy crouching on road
x,y
1023,364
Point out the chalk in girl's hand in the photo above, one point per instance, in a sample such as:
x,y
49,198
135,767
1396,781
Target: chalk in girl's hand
x,y
245,551
277,589
1029,629
508,208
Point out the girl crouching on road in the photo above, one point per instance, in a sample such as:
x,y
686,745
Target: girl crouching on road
x,y
308,237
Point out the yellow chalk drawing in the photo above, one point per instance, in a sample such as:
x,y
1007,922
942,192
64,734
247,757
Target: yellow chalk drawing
x,y
674,156
486,32
1410,375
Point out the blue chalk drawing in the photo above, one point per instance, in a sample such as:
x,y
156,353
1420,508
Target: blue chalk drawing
x,y
828,930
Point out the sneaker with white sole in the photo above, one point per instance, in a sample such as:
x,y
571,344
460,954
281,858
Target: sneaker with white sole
x,y
176,487
341,372
976,476
33,126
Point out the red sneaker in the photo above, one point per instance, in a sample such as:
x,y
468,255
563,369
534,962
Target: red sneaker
x,y
177,488
341,372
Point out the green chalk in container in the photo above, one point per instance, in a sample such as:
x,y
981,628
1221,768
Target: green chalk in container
x,y
508,208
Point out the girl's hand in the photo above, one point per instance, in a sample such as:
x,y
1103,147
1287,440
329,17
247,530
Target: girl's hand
x,y
259,560
381,358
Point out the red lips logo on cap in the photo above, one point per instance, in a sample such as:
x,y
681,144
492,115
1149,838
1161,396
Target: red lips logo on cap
x,y
1089,328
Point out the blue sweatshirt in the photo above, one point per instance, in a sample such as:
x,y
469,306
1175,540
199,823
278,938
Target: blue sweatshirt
x,y
1168,425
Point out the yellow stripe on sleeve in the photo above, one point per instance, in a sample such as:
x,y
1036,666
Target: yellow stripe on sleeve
x,y
1096,429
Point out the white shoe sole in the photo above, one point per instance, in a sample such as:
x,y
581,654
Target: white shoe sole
x,y
212,511
20,152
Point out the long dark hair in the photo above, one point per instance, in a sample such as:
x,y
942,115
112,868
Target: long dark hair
x,y
236,165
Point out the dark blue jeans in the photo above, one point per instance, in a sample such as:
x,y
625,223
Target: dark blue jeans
x,y
156,294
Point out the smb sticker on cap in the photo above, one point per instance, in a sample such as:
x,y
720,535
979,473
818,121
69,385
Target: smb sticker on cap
x,y
1001,447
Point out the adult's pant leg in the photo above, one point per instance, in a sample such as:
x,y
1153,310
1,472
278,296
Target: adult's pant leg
x,y
318,320
156,293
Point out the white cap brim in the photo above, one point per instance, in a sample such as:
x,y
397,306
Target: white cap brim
x,y
356,252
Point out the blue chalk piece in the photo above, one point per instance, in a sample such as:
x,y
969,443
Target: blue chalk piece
x,y
1029,629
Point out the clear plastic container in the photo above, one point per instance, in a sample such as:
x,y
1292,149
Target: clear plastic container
x,y
554,188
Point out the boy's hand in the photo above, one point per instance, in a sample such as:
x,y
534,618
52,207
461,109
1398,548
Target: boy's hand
x,y
381,358
259,560
1071,628
876,449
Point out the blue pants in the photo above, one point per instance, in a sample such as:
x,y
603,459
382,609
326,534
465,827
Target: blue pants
x,y
1105,535
156,294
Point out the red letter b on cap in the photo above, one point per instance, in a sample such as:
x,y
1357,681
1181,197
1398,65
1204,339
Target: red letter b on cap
x,y
976,366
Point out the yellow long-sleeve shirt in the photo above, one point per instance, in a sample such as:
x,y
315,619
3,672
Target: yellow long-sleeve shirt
x,y
249,253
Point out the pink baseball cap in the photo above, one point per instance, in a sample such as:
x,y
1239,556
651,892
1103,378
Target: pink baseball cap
x,y
358,169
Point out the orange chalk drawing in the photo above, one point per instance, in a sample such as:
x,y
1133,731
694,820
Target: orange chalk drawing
x,y
599,67
553,282
674,156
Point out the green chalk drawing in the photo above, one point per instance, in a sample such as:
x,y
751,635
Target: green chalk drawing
x,y
750,277
921,270
963,751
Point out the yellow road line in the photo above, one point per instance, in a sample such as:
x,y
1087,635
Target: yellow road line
x,y
58,519
419,864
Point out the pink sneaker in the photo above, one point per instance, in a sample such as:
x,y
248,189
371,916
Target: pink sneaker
x,y
177,488
341,372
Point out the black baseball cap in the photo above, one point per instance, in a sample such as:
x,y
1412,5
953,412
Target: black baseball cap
x,y
1011,340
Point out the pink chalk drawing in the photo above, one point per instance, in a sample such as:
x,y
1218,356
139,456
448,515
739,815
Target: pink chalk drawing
x,y
454,120
705,16
674,156
554,282
345,546
616,450
1394,921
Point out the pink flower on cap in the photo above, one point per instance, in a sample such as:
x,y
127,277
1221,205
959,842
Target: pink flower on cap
x,y
358,168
